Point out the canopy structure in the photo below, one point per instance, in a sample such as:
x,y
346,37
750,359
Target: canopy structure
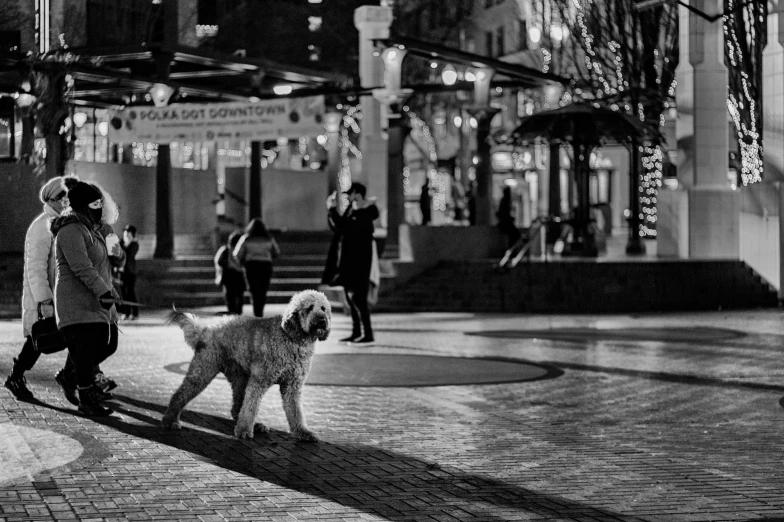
x,y
125,74
586,126
516,74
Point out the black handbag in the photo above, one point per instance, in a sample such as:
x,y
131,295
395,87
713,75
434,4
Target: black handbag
x,y
47,338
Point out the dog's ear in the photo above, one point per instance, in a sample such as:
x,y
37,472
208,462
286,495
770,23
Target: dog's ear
x,y
291,322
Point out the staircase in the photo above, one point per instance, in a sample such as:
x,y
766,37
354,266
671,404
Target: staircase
x,y
189,280
580,287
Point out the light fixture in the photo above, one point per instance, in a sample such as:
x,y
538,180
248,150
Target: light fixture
x,y
282,90
79,119
160,94
103,128
458,121
535,34
470,76
449,75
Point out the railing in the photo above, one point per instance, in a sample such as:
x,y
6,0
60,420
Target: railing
x,y
519,250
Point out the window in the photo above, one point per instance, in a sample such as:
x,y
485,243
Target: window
x,y
489,36
522,38
500,48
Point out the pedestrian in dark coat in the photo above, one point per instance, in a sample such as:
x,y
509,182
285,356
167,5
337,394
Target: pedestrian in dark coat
x,y
230,276
355,227
84,294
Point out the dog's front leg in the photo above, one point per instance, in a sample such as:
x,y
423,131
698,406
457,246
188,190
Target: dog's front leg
x,y
250,406
291,393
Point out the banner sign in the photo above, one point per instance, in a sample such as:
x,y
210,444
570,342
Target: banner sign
x,y
263,120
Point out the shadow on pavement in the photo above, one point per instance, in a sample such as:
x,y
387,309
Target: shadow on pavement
x,y
365,478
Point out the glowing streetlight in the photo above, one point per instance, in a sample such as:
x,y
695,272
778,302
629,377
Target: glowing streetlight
x,y
282,90
449,75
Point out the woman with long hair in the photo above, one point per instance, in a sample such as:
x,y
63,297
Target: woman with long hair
x,y
255,251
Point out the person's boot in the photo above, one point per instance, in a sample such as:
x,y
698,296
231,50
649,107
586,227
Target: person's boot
x,y
17,384
90,402
68,384
105,383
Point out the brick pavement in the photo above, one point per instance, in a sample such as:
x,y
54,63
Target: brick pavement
x,y
634,429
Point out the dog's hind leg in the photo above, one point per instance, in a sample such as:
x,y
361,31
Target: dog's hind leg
x,y
254,391
200,373
291,393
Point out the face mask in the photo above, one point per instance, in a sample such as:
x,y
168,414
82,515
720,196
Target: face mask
x,y
95,214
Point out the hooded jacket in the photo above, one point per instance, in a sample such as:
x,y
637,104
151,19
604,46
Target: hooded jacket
x,y
83,272
40,267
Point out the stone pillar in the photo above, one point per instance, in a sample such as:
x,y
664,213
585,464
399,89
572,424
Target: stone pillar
x,y
484,169
765,212
255,190
372,22
332,122
701,219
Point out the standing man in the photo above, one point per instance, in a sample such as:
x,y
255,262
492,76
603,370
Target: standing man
x,y
355,227
40,269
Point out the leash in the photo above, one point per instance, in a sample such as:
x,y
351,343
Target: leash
x,y
123,302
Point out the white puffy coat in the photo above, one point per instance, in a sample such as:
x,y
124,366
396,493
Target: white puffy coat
x,y
40,267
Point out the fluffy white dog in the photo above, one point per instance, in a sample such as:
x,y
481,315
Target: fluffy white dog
x,y
253,354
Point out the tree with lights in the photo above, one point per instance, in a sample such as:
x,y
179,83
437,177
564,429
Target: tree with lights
x,y
745,37
622,56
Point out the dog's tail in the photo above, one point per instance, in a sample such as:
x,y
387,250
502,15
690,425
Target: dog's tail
x,y
187,323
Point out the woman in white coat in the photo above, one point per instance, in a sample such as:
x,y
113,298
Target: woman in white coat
x,y
40,269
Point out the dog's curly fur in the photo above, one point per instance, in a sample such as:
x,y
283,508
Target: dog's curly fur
x,y
254,354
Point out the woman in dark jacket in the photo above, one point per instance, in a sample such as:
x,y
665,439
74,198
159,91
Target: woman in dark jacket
x,y
255,251
355,227
84,290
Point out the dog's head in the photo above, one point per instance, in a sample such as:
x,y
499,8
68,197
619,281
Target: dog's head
x,y
308,313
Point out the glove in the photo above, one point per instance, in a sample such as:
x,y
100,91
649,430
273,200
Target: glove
x,y
107,300
46,308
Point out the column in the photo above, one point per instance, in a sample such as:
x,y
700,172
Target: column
x,y
484,169
372,22
554,192
634,245
766,253
398,130
164,225
701,219
332,122
255,190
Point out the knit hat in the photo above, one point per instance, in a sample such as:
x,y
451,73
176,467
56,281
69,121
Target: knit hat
x,y
51,189
82,194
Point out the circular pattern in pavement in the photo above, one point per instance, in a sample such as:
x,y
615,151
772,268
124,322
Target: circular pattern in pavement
x,y
27,451
403,370
671,334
